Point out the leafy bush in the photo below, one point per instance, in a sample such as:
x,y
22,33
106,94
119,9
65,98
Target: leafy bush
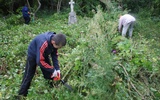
x,y
87,62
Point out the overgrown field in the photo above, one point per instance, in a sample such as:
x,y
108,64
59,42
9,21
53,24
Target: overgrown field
x,y
87,63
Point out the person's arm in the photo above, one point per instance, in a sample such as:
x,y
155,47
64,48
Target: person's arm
x,y
28,12
54,56
120,25
41,59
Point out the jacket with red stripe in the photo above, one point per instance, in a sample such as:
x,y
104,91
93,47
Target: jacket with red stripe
x,y
40,48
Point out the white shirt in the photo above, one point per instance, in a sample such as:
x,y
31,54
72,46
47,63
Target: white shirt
x,y
125,19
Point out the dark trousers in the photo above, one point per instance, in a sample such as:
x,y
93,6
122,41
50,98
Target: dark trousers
x,y
29,74
27,19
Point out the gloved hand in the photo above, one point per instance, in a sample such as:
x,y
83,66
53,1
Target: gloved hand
x,y
58,77
54,74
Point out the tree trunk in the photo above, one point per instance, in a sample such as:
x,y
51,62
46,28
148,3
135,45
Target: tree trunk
x,y
11,6
52,5
34,14
38,6
107,3
59,6
28,5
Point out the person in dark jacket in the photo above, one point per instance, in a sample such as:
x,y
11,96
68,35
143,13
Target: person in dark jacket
x,y
26,14
39,50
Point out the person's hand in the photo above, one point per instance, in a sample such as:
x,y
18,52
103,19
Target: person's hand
x,y
58,72
54,74
58,77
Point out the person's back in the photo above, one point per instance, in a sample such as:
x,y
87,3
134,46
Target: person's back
x,y
37,43
25,11
26,14
126,21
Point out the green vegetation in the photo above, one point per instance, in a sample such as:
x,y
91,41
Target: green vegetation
x,y
87,63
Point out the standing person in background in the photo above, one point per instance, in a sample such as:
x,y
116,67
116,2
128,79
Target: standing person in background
x,y
26,14
42,47
126,22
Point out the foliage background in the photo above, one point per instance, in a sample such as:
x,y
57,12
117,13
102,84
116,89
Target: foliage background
x,y
87,63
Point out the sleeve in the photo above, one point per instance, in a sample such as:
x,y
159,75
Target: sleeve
x,y
54,56
23,9
120,24
41,59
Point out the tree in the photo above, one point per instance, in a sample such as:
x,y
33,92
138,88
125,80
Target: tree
x,y
59,5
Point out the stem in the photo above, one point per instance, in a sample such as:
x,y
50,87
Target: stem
x,y
130,81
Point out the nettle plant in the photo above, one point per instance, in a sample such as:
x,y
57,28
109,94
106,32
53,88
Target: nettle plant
x,y
135,61
135,54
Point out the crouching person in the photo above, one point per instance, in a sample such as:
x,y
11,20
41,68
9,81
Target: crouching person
x,y
39,50
126,22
